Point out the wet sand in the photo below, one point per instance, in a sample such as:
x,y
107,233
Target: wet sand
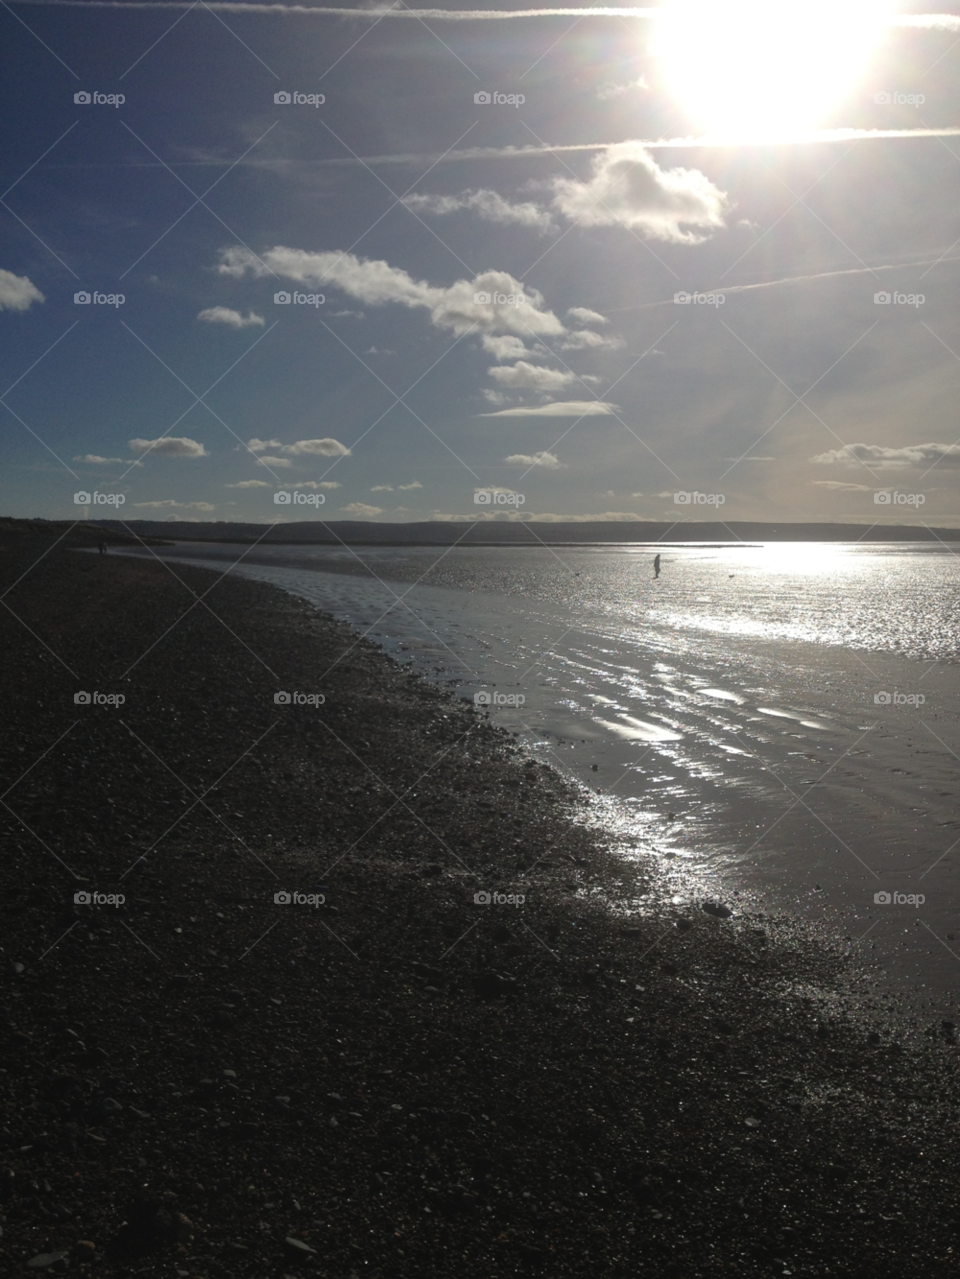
x,y
400,1081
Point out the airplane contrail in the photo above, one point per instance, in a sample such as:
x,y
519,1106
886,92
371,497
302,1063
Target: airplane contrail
x,y
525,152
928,21
789,279
442,15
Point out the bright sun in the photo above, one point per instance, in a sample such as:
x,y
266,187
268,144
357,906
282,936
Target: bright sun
x,y
761,69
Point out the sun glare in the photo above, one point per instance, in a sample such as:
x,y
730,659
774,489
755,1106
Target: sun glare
x,y
764,69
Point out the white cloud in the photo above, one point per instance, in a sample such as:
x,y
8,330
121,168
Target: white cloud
x,y
928,21
888,458
361,509
314,484
17,292
488,205
547,460
92,459
378,350
170,446
185,506
583,315
329,484
629,189
376,283
610,90
224,315
382,488
274,461
311,448
529,377
249,484
509,347
565,408
841,486
586,338
405,488
318,448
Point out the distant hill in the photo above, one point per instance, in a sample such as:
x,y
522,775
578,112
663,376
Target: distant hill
x,y
76,532
443,533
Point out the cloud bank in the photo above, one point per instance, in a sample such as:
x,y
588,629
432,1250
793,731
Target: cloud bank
x,y
889,458
376,283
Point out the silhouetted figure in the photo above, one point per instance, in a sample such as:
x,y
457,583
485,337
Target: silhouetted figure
x,y
656,567
103,548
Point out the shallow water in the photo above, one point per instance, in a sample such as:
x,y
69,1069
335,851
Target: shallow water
x,y
732,715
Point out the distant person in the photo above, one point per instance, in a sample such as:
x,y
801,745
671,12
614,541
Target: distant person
x,y
103,548
656,567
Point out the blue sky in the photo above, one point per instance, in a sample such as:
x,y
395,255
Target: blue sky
x,y
498,278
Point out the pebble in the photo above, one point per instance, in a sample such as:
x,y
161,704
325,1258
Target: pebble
x,y
717,909
45,1259
298,1248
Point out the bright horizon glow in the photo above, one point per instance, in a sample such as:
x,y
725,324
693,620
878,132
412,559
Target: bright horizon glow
x,y
762,69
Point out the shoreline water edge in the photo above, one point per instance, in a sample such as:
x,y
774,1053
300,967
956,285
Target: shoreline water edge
x,y
325,987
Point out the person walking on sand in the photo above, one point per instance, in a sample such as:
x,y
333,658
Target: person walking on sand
x,y
103,548
656,567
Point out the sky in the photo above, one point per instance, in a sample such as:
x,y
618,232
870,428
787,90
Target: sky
x,y
696,261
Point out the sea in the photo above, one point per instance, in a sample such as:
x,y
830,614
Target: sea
x,y
773,726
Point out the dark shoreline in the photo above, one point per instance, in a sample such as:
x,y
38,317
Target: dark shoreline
x,y
532,533
423,1086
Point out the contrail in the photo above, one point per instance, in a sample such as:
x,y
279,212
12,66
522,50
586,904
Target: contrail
x,y
520,153
442,15
928,21
788,279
